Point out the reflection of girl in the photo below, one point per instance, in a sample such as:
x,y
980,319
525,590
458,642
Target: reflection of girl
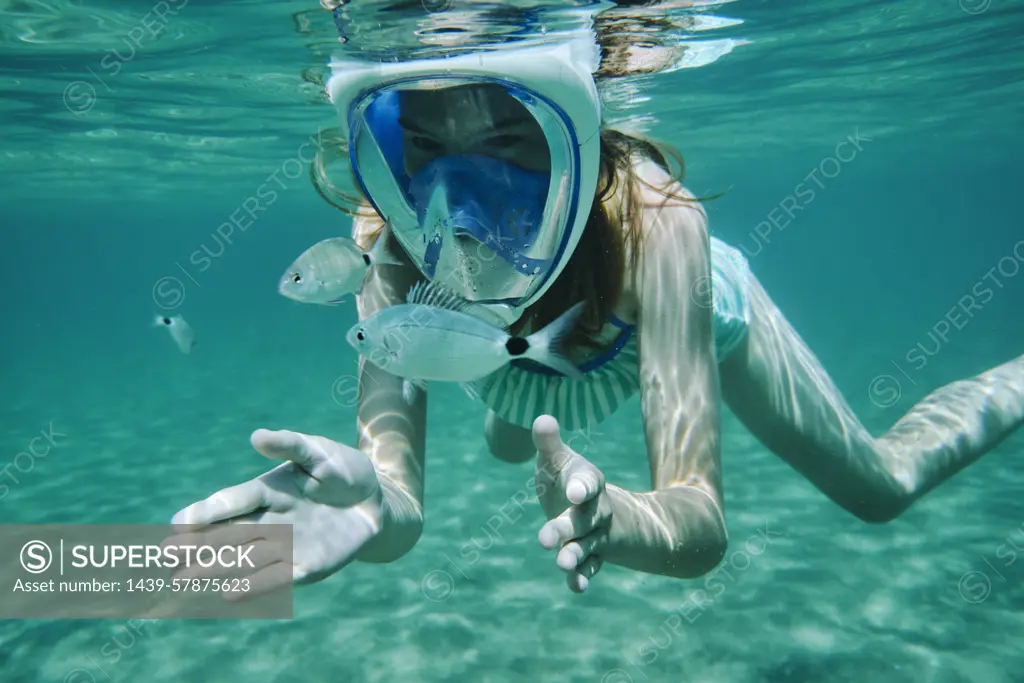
x,y
641,37
443,150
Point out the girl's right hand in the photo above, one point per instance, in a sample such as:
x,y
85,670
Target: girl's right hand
x,y
327,491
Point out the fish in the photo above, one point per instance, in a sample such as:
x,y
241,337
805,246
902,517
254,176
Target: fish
x,y
438,336
334,268
181,332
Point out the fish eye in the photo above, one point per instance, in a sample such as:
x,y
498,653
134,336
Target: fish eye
x,y
296,278
360,336
167,321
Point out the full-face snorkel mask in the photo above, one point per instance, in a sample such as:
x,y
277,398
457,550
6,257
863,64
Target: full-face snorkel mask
x,y
492,229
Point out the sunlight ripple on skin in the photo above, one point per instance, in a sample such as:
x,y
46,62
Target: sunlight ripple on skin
x,y
817,433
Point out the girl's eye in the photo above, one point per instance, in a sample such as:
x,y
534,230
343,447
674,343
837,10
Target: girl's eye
x,y
426,144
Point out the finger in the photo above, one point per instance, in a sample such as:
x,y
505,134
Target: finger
x,y
263,553
225,504
551,450
217,536
572,524
584,482
287,445
574,553
579,580
184,547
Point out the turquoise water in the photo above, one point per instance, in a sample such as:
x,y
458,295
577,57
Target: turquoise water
x,y
114,182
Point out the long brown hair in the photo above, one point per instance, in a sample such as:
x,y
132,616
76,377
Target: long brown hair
x,y
597,269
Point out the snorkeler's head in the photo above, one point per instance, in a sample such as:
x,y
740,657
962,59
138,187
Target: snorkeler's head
x,y
485,164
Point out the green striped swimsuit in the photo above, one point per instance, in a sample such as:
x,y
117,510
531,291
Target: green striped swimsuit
x,y
523,390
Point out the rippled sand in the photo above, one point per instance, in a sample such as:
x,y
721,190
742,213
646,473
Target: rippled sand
x,y
806,592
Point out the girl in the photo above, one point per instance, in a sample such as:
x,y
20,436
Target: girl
x,y
499,182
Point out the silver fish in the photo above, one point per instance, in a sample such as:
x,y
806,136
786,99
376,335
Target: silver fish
x,y
332,269
180,331
435,336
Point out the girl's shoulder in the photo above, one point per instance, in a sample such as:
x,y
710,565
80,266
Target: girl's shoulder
x,y
672,233
660,191
672,217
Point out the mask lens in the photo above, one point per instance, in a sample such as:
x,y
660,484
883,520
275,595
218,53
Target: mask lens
x,y
463,199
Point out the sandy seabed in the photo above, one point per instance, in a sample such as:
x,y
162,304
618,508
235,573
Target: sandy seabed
x,y
805,593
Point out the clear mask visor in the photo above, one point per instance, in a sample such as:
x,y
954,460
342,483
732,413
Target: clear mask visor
x,y
479,178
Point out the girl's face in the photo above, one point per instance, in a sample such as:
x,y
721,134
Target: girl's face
x,y
480,120
471,119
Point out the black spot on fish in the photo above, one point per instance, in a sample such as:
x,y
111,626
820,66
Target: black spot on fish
x,y
517,346
366,259
167,321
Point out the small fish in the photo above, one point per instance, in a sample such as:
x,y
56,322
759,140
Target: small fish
x,y
333,269
435,336
179,330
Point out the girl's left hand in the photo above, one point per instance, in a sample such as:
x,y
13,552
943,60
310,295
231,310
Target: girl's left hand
x,y
571,490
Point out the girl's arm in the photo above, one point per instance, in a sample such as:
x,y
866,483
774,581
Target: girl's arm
x,y
678,529
391,432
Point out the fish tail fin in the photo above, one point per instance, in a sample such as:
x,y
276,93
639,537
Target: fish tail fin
x,y
545,346
380,254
